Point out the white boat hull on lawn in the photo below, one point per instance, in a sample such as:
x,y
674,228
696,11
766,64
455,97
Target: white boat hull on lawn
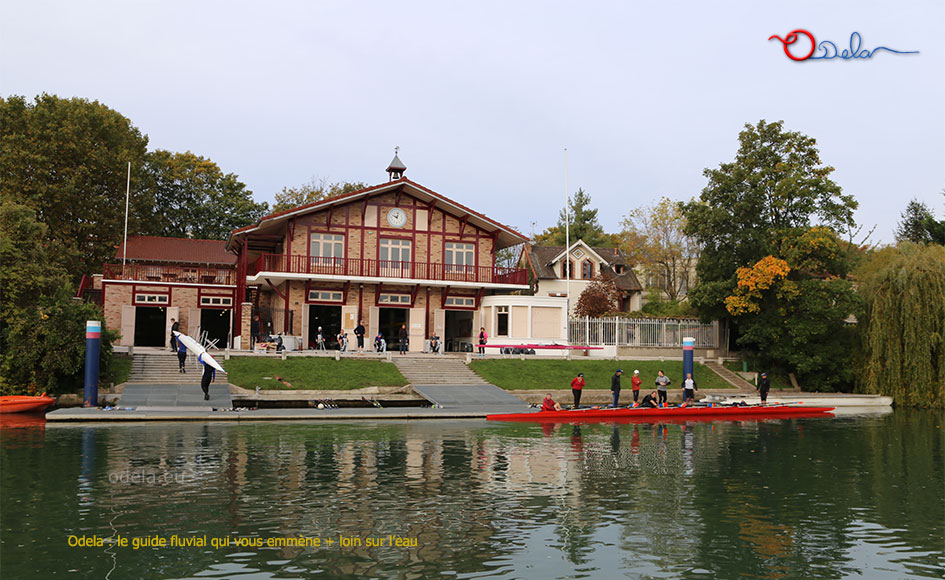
x,y
199,351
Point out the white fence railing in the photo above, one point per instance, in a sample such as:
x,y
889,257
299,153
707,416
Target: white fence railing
x,y
641,332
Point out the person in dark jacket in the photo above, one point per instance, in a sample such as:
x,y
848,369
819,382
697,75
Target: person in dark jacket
x,y
181,356
209,375
175,327
404,338
359,334
615,386
650,400
764,385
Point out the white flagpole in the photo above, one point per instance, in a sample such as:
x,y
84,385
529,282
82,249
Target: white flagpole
x,y
567,232
124,245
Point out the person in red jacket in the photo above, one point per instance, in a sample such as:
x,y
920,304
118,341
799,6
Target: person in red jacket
x,y
577,383
549,404
635,383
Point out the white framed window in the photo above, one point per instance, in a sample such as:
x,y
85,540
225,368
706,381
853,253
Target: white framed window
x,y
587,270
219,301
459,254
502,321
324,296
152,299
394,250
461,301
394,299
327,246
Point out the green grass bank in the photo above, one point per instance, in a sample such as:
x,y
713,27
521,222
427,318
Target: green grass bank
x,y
511,374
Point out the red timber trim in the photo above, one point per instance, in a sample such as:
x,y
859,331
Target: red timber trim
x,y
309,288
462,224
137,289
377,294
426,316
344,293
215,293
413,295
479,295
444,295
360,301
242,252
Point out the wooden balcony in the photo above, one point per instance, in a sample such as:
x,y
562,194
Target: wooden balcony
x,y
170,274
353,267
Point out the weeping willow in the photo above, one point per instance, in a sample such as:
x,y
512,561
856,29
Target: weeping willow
x,y
902,336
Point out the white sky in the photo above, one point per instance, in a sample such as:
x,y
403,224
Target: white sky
x,y
483,97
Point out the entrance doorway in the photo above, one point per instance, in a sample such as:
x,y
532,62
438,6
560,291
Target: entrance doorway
x,y
216,323
150,326
459,333
329,318
389,321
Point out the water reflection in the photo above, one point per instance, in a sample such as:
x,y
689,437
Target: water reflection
x,y
756,499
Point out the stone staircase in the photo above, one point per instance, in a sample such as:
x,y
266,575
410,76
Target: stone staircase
x,y
156,367
730,377
436,370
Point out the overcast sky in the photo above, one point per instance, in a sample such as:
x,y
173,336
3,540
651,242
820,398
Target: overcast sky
x,y
483,97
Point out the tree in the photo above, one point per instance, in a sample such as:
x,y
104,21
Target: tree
x,y
582,223
186,195
42,346
67,159
776,203
316,189
655,239
919,225
902,332
597,299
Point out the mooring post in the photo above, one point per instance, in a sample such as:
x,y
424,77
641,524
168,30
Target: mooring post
x,y
93,347
689,347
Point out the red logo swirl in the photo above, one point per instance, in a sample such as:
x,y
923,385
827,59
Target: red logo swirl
x,y
791,38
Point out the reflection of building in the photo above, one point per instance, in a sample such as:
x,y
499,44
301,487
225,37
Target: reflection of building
x,y
549,266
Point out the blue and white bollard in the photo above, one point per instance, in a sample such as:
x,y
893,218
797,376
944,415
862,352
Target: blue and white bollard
x,y
688,349
93,348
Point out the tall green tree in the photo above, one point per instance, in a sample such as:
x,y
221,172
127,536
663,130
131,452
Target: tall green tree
x,y
186,195
42,346
772,262
654,239
918,225
68,159
317,188
902,332
583,225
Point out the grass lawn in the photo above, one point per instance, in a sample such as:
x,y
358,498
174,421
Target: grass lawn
x,y
557,374
311,373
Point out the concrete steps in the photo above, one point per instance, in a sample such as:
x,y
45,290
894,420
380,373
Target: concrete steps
x,y
162,368
730,377
436,370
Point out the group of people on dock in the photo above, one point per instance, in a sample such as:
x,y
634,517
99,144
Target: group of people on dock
x,y
656,398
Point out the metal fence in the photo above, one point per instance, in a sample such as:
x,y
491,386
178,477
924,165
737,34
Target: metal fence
x,y
641,332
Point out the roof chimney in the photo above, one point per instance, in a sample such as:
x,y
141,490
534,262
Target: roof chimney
x,y
396,168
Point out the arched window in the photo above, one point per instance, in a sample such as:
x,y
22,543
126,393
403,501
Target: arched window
x,y
587,270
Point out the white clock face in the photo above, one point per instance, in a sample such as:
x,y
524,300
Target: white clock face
x,y
397,217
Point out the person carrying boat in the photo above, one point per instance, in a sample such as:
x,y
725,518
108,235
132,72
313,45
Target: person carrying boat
x,y
635,383
548,404
764,385
661,383
650,400
689,390
181,356
209,375
615,386
577,383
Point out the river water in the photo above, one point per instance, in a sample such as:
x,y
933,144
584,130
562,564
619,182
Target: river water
x,y
848,497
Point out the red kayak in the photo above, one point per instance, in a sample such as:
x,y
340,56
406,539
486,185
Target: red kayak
x,y
24,403
649,413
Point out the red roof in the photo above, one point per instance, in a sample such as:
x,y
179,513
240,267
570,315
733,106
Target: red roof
x,y
177,250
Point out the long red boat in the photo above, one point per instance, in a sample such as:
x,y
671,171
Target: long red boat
x,y
24,403
651,413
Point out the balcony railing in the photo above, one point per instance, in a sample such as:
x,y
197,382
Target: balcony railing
x,y
351,267
181,274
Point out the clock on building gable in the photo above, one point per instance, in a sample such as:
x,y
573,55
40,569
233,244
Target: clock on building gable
x,y
397,217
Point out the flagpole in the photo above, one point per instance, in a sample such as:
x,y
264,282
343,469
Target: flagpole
x,y
567,233
124,245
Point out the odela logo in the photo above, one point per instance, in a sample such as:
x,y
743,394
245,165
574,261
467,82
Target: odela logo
x,y
806,45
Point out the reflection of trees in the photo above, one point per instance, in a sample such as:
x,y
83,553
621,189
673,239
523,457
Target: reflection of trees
x,y
731,498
